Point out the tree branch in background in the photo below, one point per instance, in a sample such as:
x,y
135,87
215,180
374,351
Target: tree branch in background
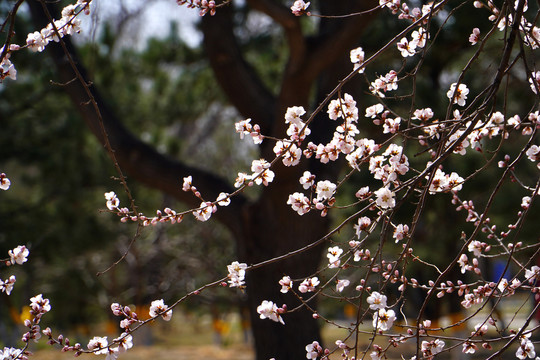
x,y
136,158
237,78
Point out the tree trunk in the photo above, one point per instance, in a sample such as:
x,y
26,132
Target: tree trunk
x,y
272,231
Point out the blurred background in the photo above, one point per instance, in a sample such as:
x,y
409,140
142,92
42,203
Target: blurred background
x,y
147,59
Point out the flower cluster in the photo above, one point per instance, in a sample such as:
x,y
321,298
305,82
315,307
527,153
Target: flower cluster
x,y
68,24
237,274
269,310
204,6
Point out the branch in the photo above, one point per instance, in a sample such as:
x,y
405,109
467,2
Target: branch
x,y
236,77
338,37
290,24
136,158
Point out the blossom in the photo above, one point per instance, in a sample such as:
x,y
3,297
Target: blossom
x,y
533,153
423,114
376,301
400,232
308,285
384,319
406,48
530,275
286,284
299,7
342,284
384,83
291,157
299,203
223,199
476,247
125,342
373,110
243,127
420,37
313,350
237,274
293,115
98,345
241,179
363,225
10,353
307,180
158,307
261,172
4,182
391,125
463,262
112,200
186,185
526,349
36,42
39,304
430,348
458,95
112,353
345,108
357,58
333,256
269,310
7,70
7,285
205,211
19,255
475,36
385,198
377,354
325,190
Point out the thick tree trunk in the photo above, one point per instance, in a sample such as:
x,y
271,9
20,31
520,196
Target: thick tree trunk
x,y
277,230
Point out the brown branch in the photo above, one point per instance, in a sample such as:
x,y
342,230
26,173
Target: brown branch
x,y
136,158
337,36
236,77
291,26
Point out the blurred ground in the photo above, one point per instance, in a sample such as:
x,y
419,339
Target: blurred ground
x,y
156,352
190,337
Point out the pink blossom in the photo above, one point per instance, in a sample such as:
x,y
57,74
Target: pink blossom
x,y
7,285
385,198
357,58
400,232
406,48
112,200
286,284
458,93
19,255
308,285
475,36
158,307
98,345
299,203
342,284
313,350
376,301
299,7
383,319
269,310
237,274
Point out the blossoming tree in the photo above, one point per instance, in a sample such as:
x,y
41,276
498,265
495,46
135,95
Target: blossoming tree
x,y
313,145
